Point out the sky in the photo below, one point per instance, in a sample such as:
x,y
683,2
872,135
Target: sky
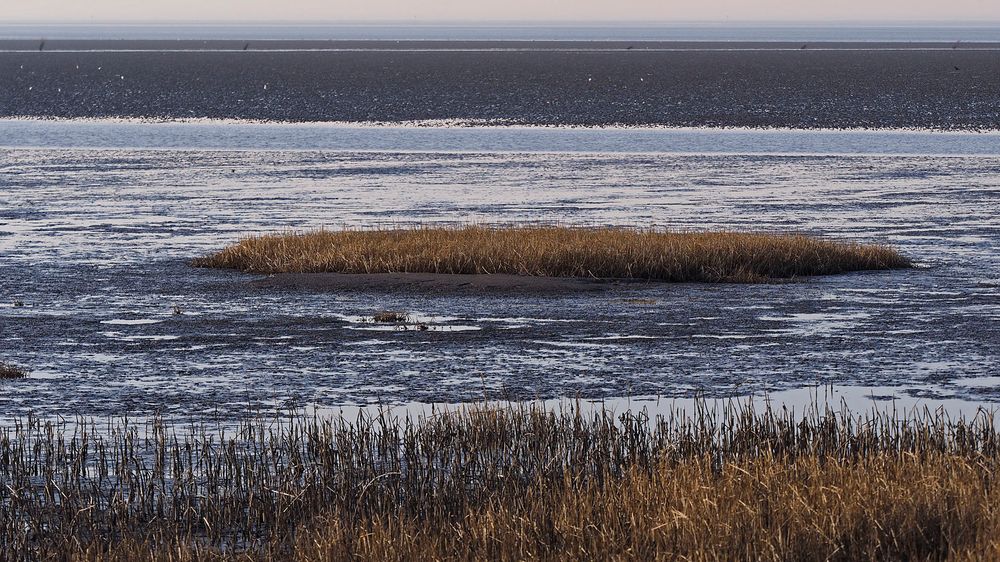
x,y
428,11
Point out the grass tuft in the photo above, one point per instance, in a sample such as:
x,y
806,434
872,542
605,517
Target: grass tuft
x,y
556,251
390,317
8,371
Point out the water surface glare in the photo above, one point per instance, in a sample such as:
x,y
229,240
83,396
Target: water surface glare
x,y
461,136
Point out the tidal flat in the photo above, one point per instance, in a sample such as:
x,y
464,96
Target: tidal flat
x,y
97,244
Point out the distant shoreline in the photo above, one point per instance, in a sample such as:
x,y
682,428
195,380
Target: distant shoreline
x,y
969,31
42,44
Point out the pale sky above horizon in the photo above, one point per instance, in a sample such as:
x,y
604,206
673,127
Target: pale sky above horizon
x,y
332,11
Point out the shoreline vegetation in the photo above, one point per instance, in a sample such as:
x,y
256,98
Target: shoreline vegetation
x,y
555,251
507,482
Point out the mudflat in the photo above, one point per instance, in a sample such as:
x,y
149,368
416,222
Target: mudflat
x,y
440,283
943,86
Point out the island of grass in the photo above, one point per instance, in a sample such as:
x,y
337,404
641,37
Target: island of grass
x,y
555,252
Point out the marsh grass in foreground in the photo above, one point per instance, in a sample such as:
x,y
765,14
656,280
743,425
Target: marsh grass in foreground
x,y
556,251
508,482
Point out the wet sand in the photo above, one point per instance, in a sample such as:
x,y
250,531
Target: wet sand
x,y
941,86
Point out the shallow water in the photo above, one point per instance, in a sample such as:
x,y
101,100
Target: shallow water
x,y
474,137
95,242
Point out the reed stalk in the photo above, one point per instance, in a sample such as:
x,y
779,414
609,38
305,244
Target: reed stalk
x,y
509,482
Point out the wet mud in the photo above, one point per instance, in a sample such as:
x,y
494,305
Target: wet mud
x,y
442,285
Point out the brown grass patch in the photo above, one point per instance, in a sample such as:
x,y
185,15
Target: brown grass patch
x,y
507,483
556,251
390,317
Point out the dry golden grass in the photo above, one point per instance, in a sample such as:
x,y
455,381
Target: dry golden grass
x,y
883,507
556,251
507,483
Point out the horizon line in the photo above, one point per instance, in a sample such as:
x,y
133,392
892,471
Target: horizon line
x,y
516,23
